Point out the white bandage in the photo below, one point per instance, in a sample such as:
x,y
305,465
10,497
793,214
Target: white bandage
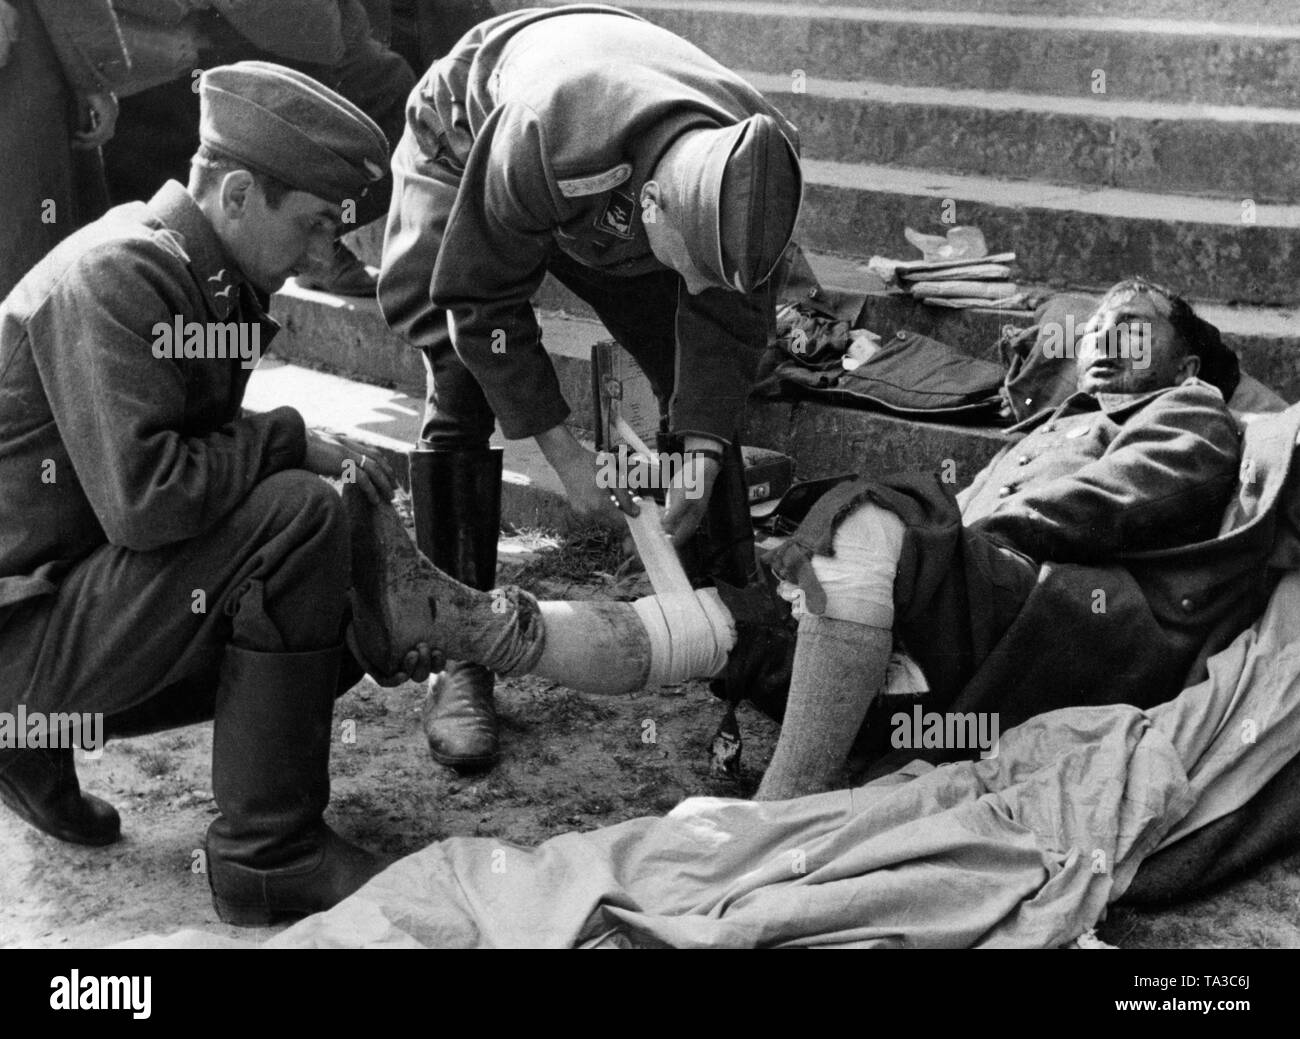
x,y
690,635
859,578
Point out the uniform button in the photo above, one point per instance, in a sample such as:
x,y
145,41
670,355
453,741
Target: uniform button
x,y
1029,401
1188,605
1022,460
1006,490
902,334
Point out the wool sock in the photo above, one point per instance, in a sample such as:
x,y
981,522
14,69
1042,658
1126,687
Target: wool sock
x,y
838,668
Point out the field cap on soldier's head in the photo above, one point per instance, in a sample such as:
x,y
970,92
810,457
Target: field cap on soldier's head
x,y
742,187
287,125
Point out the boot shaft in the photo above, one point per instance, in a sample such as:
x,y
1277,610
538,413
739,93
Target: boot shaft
x,y
456,497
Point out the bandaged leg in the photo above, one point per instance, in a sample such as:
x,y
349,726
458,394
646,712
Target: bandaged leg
x,y
615,647
594,647
400,599
841,657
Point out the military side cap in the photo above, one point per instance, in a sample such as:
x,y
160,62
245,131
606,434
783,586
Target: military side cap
x,y
287,125
743,187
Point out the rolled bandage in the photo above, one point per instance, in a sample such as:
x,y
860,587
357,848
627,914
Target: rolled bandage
x,y
690,635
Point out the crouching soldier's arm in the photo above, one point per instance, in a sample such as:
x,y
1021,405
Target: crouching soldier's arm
x,y
121,411
1164,480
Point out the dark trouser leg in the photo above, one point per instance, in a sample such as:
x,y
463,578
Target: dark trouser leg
x,y
157,133
424,30
37,163
273,577
641,313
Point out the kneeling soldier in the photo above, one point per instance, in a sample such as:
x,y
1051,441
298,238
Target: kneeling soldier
x,y
165,557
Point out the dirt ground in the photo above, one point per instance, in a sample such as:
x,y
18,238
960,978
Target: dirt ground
x,y
570,762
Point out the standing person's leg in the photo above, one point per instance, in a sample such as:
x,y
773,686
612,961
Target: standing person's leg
x,y
378,81
37,183
424,30
260,602
641,313
455,475
157,133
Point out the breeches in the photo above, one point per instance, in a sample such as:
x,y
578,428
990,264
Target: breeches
x,y
123,626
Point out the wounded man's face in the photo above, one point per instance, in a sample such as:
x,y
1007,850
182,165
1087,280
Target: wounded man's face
x,y
1129,346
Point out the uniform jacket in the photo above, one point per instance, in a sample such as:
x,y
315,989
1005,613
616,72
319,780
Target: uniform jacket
x,y
86,38
550,121
101,441
165,36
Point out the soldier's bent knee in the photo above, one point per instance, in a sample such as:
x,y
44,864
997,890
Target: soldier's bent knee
x,y
859,578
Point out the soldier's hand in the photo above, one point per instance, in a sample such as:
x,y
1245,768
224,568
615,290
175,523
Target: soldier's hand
x,y
688,497
580,471
417,665
100,119
588,496
342,459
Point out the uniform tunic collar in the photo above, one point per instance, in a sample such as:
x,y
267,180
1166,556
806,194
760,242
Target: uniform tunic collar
x,y
1112,405
224,287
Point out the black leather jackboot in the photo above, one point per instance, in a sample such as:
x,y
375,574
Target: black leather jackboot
x,y
456,496
270,854
40,785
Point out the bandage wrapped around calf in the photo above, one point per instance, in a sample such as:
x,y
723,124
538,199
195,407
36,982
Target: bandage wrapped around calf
x,y
400,599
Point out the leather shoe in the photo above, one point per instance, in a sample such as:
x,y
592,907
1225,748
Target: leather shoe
x,y
459,717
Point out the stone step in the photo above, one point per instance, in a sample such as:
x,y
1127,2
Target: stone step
x,y
1257,12
1063,236
1231,152
1170,58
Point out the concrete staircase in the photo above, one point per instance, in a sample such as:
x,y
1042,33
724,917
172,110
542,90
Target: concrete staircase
x,y
1096,138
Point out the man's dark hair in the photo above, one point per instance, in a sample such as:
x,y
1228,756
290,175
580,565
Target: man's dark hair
x,y
1219,365
210,165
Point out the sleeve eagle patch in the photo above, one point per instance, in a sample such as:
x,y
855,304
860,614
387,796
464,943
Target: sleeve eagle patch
x,y
596,184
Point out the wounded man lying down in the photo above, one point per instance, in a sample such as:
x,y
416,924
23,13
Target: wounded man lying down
x,y
1056,578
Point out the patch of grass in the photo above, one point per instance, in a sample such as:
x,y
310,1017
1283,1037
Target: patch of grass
x,y
156,763
583,555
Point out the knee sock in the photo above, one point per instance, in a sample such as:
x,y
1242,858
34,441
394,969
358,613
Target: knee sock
x,y
838,668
